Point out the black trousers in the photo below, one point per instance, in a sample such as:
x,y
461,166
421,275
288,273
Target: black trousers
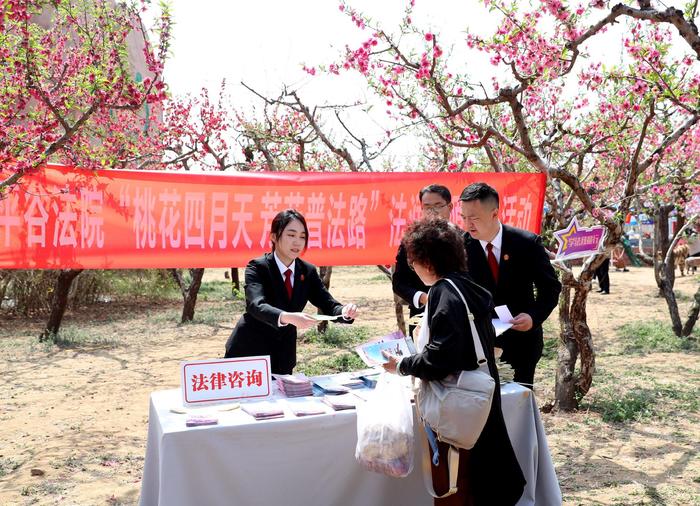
x,y
602,273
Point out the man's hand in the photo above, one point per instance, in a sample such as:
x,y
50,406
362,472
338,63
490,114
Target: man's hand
x,y
349,311
423,299
522,322
392,364
299,320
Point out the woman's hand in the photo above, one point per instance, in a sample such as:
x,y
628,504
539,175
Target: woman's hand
x,y
349,311
392,364
299,320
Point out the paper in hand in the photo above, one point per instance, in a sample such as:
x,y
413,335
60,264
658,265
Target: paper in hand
x,y
324,317
504,314
500,326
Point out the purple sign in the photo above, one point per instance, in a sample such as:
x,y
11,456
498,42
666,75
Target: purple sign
x,y
576,241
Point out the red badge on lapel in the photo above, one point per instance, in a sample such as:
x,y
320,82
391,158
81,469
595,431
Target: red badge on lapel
x,y
301,278
506,257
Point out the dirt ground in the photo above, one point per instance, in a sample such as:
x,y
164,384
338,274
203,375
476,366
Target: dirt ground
x,y
74,416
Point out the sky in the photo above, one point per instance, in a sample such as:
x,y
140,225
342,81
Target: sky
x,y
265,43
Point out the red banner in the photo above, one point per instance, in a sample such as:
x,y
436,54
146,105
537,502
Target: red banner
x,y
64,217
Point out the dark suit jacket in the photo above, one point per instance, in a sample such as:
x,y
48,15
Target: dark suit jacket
x,y
495,474
527,283
257,332
405,282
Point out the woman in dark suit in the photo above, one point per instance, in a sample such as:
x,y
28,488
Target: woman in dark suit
x,y
277,287
489,473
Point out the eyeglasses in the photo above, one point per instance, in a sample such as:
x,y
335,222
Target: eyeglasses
x,y
433,207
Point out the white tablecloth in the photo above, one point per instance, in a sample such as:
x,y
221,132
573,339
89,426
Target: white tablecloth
x,y
305,461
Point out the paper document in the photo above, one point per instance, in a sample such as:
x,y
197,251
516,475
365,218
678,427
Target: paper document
x,y
324,317
504,314
500,326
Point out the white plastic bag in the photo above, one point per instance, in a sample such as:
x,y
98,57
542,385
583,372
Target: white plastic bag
x,y
385,429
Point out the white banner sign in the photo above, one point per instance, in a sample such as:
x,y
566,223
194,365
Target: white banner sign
x,y
225,379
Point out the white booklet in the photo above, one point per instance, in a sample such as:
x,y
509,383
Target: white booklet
x,y
503,322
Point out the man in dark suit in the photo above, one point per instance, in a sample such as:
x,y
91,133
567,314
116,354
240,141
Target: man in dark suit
x,y
514,266
435,200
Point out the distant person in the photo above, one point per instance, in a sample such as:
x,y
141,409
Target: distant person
x,y
277,287
618,258
435,201
489,473
602,272
514,266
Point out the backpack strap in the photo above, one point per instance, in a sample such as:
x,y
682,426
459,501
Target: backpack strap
x,y
452,469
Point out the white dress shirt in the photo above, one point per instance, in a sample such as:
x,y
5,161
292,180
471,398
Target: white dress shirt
x,y
497,242
283,268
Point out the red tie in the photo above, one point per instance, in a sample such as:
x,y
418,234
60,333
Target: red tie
x,y
493,264
288,282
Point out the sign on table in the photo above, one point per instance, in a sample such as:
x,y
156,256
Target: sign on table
x,y
206,381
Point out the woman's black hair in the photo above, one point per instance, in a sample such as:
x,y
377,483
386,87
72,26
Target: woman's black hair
x,y
280,222
435,243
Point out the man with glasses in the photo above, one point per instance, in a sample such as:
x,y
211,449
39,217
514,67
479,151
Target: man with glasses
x,y
435,200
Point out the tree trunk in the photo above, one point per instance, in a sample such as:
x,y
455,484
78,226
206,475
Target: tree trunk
x,y
661,244
189,292
59,303
325,273
665,281
575,341
235,280
665,271
567,353
191,296
692,315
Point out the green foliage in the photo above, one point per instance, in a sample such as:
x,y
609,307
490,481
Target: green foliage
x,y
147,284
332,351
26,291
338,336
30,292
635,405
7,465
683,400
650,336
218,290
341,362
549,352
75,338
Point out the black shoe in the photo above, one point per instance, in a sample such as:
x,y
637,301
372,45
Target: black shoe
x,y
599,291
625,270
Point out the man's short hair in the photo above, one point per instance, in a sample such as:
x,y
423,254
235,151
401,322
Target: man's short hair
x,y
481,192
443,191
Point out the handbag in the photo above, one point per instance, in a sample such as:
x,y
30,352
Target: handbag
x,y
456,408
